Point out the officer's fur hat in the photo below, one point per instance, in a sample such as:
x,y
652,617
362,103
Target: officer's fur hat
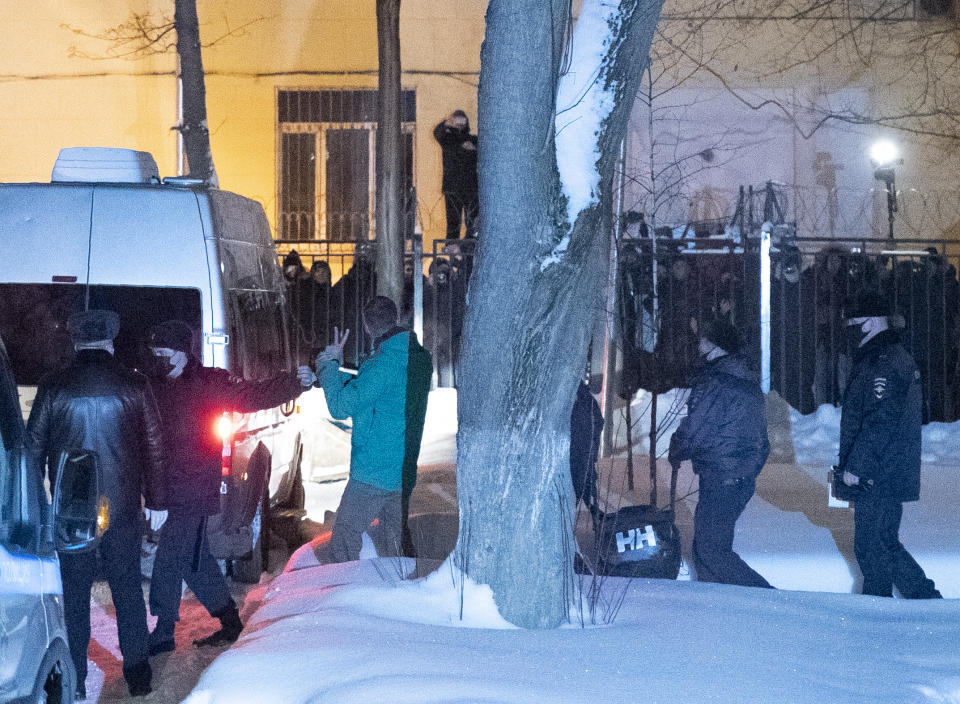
x,y
93,326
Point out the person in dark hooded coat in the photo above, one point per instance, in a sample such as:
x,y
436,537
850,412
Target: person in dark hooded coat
x,y
725,436
586,426
191,399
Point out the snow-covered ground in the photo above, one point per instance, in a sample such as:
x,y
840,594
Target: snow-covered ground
x,y
368,632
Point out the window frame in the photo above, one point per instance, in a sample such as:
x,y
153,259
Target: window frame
x,y
320,129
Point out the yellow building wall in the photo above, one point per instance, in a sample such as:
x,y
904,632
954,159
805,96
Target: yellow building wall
x,y
61,87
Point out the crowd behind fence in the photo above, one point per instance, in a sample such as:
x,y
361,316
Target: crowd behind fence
x,y
661,285
328,282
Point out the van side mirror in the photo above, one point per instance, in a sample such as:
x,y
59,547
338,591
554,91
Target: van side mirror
x,y
81,513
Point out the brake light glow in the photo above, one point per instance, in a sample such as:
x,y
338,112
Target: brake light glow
x,y
224,428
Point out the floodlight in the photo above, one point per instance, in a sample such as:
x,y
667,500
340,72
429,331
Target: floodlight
x,y
884,153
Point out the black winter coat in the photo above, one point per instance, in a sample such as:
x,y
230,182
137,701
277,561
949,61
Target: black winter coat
x,y
459,163
98,404
725,431
190,408
881,418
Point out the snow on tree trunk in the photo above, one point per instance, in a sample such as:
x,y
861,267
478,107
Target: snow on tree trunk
x,y
196,133
389,156
537,284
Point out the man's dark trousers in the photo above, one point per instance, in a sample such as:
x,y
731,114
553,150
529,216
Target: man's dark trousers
x,y
884,561
183,546
457,204
720,503
360,505
120,552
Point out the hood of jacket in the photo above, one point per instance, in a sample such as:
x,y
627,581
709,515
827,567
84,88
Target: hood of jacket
x,y
736,365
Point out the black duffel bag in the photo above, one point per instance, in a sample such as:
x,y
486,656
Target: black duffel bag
x,y
636,541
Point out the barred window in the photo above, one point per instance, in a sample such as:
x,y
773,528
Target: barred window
x,y
327,177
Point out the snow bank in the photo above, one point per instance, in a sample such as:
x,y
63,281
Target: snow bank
x,y
360,633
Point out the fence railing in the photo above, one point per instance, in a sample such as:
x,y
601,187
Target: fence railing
x,y
328,282
662,284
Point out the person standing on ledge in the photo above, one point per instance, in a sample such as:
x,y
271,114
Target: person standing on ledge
x,y
459,149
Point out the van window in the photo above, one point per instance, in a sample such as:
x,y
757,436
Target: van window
x,y
10,435
257,349
255,309
33,321
21,511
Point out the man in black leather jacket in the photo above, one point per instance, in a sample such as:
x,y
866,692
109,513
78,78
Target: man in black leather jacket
x,y
98,404
880,450
725,436
192,398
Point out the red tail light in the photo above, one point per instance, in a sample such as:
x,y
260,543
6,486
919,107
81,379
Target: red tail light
x,y
224,430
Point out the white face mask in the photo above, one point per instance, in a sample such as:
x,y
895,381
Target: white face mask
x,y
176,360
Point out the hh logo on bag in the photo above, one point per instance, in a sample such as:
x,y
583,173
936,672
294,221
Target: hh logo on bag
x,y
634,539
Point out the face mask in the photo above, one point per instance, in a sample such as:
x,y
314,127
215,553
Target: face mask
x,y
167,363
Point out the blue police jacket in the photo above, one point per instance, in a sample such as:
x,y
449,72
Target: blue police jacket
x,y
881,418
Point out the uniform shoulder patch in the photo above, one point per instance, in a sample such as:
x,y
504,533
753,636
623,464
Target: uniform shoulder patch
x,y
880,387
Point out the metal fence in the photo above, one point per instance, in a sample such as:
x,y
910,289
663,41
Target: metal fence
x,y
328,283
662,284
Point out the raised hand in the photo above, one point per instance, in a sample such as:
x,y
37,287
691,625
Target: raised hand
x,y
334,351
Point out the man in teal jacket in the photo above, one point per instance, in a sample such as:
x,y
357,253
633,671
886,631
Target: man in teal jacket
x,y
387,400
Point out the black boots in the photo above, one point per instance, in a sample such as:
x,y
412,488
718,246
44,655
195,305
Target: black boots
x,y
230,627
161,639
138,679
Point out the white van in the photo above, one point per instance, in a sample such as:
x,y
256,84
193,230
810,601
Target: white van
x,y
106,232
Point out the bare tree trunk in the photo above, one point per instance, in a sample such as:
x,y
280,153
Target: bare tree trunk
x,y
537,285
196,134
389,155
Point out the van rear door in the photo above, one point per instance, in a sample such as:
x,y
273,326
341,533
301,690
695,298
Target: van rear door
x,y
44,232
148,236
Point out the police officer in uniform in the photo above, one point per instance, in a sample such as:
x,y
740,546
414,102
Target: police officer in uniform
x,y
880,449
98,404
